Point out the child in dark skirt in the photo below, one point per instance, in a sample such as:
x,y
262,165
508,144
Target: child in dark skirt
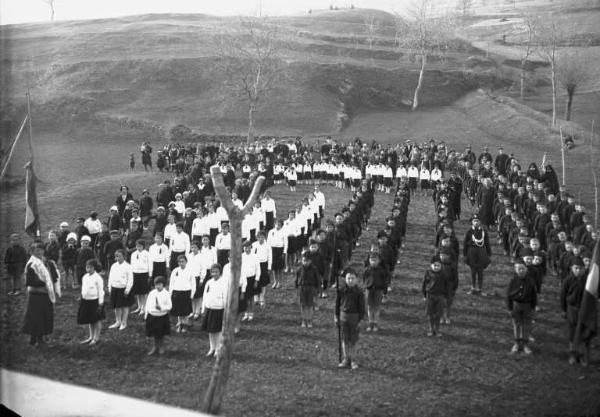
x,y
307,283
213,307
349,311
435,291
91,305
158,306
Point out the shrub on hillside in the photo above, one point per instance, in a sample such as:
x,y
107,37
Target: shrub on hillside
x,y
181,134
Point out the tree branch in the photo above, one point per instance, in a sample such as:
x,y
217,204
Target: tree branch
x,y
253,195
220,190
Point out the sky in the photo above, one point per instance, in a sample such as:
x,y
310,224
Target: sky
x,y
23,11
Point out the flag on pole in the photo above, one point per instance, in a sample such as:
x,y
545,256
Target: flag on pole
x,y
32,215
587,322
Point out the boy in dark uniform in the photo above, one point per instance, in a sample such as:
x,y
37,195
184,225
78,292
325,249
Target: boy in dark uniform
x,y
15,259
435,291
521,300
349,311
307,283
571,296
115,243
376,279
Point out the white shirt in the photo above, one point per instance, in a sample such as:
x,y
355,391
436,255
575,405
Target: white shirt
x,y
157,253
140,262
215,292
222,213
277,238
262,251
170,230
320,198
436,175
195,265
213,221
208,258
424,174
413,172
182,280
158,299
92,287
179,206
120,276
199,226
93,226
180,242
250,266
223,242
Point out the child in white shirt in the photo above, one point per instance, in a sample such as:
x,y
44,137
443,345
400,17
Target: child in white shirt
x,y
91,305
158,306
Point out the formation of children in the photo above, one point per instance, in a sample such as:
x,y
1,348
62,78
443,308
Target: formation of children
x,y
540,226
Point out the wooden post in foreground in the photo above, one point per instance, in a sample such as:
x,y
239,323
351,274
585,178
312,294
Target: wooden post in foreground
x,y
594,176
218,380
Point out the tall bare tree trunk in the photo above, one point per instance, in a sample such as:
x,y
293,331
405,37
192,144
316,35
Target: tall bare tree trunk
x,y
562,158
553,68
251,111
570,94
594,176
213,397
522,89
415,103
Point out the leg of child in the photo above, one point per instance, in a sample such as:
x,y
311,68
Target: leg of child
x,y
144,298
91,336
473,279
124,315
431,325
154,347
97,330
250,308
303,323
350,353
309,311
212,342
161,342
479,279
196,306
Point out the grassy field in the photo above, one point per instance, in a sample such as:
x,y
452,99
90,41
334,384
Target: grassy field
x,y
282,369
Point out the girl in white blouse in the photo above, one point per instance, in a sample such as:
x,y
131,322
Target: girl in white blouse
x,y
195,264
140,266
91,306
213,306
182,286
158,255
120,281
277,241
158,306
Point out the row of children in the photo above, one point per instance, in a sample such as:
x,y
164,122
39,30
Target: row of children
x,y
537,223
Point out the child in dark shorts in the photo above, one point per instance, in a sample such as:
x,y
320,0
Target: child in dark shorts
x,y
307,283
376,279
349,311
435,291
521,299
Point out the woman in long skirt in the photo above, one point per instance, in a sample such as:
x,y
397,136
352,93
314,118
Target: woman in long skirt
x,y
213,306
42,279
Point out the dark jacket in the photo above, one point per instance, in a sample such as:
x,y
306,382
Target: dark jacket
x,y
435,283
350,300
307,276
376,278
522,290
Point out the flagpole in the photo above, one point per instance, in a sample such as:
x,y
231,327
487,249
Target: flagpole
x,y
12,149
27,95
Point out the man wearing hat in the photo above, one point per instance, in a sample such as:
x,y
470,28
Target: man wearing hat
x,y
146,205
477,253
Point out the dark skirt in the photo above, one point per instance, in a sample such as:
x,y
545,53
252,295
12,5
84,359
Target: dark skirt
x,y
270,220
243,300
264,278
292,246
89,313
212,236
291,183
277,260
182,303
159,269
200,286
158,326
39,316
222,257
213,321
118,299
252,287
140,283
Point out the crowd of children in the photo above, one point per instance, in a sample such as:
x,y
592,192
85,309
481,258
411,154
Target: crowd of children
x,y
183,271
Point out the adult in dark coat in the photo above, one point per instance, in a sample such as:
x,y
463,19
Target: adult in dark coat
x,y
123,198
43,287
477,253
501,161
486,207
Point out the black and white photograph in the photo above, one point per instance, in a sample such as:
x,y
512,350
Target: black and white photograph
x,y
251,208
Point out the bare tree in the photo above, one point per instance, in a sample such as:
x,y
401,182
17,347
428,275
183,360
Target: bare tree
x,y
51,4
548,36
572,70
423,36
527,29
218,381
371,26
464,7
250,56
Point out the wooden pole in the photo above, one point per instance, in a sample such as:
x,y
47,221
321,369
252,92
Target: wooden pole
x,y
12,148
213,397
562,155
30,127
594,176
